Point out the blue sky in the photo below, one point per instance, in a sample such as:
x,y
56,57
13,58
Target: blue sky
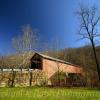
x,y
55,19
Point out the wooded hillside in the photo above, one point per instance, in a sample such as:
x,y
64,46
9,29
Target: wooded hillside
x,y
82,56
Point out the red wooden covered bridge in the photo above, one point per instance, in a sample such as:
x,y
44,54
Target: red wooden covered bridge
x,y
51,66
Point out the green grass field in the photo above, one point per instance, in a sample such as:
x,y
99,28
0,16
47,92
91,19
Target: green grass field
x,y
46,93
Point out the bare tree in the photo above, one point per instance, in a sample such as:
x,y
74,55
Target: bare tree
x,y
53,49
89,21
25,44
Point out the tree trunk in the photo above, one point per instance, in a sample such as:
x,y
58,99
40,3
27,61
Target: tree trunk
x,y
58,76
13,78
30,78
1,73
96,60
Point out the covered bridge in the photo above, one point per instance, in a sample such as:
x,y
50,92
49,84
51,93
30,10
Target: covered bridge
x,y
51,65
